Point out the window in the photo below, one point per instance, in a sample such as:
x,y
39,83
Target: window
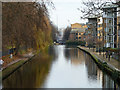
x,y
79,37
105,38
99,37
79,33
105,29
104,20
76,33
98,26
118,32
109,30
109,21
76,37
110,39
98,20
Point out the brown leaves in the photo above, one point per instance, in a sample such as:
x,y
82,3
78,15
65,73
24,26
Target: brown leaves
x,y
19,20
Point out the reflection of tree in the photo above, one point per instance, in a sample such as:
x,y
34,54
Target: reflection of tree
x,y
52,52
91,67
67,53
31,75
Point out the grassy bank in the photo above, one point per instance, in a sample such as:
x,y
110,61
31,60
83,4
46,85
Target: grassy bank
x,y
115,74
12,68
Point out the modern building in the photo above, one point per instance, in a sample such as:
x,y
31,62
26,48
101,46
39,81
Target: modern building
x,y
100,29
118,22
77,32
91,31
110,25
100,33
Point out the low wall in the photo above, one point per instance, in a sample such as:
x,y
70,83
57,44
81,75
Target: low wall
x,y
8,73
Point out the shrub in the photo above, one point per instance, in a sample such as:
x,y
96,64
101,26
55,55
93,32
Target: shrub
x,y
82,43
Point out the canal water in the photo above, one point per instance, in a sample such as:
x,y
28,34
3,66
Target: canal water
x,y
63,67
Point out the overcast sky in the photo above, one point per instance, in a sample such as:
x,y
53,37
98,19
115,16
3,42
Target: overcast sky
x,y
66,13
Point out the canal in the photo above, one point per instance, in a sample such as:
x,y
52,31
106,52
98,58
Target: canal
x,y
63,67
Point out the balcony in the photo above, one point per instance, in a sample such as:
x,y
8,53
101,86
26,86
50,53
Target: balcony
x,y
118,32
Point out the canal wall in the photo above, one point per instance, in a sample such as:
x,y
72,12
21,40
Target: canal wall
x,y
104,66
12,68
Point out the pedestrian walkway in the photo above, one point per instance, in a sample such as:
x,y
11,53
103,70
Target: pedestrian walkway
x,y
23,57
112,63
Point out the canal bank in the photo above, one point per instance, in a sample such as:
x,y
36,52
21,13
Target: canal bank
x,y
112,67
62,67
13,66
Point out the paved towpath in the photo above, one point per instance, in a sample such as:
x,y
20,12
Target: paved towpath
x,y
24,57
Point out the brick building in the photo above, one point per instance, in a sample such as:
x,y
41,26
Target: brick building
x,y
77,32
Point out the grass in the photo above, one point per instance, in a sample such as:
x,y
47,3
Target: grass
x,y
7,71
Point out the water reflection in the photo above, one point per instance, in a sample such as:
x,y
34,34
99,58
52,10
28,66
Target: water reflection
x,y
31,75
91,67
73,54
93,72
68,68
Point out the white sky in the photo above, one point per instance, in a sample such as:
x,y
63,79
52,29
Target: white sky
x,y
66,13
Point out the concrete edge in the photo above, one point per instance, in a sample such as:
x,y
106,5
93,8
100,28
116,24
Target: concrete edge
x,y
105,67
4,77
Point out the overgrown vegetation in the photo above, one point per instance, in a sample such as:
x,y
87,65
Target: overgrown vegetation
x,y
26,24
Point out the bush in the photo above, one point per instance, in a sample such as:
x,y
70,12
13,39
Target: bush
x,y
90,45
82,43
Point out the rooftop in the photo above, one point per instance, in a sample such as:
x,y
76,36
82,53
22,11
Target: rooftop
x,y
110,6
80,30
92,16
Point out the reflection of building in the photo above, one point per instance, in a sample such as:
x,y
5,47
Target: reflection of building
x,y
77,32
109,83
99,75
95,73
110,25
91,67
76,56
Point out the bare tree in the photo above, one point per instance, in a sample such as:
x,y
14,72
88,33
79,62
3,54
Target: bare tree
x,y
66,33
26,24
93,7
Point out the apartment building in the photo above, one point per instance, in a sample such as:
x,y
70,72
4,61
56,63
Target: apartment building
x,y
110,25
118,22
77,32
91,31
100,28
